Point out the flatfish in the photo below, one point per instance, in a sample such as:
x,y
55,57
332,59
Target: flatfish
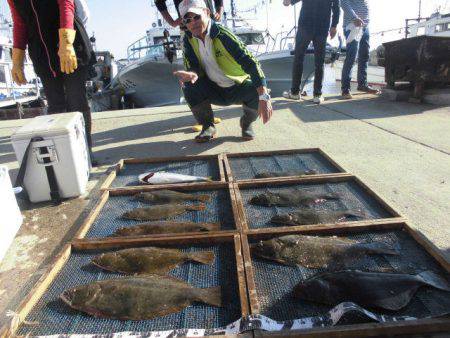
x,y
390,291
170,196
268,174
138,298
291,198
165,227
162,211
303,217
317,252
149,260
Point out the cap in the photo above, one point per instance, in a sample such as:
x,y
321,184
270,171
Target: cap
x,y
192,6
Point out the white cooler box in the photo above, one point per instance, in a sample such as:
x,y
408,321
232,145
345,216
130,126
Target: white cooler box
x,y
11,218
64,146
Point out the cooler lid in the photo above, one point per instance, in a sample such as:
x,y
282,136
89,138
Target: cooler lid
x,y
48,126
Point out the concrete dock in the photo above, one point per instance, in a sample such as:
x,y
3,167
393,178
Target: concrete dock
x,y
400,150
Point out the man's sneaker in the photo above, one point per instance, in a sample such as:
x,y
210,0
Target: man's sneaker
x,y
206,134
288,95
247,130
318,99
368,89
346,96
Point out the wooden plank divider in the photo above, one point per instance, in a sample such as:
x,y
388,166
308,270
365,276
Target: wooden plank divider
x,y
328,157
324,178
429,247
241,276
90,219
84,244
112,175
221,168
241,209
377,197
37,292
228,170
125,191
250,276
335,228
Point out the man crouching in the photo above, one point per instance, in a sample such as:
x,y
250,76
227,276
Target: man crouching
x,y
221,71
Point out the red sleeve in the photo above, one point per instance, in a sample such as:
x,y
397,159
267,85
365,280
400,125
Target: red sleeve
x,y
19,28
66,13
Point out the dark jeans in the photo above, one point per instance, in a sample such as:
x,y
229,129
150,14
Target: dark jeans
x,y
302,40
206,90
67,93
360,49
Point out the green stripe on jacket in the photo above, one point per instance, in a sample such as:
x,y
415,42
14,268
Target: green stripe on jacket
x,y
232,56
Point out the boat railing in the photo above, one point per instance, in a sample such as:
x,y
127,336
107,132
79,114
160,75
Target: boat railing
x,y
280,41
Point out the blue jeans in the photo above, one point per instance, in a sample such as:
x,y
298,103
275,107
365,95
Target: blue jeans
x,y
361,49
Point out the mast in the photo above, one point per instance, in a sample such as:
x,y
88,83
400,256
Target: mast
x,y
420,8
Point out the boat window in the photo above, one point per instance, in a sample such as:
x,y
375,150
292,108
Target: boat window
x,y
2,74
420,31
155,51
251,38
157,40
442,27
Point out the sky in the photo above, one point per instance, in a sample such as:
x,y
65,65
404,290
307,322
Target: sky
x,y
117,23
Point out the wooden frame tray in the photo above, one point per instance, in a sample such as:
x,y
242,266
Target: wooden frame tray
x,y
120,167
35,304
105,217
379,206
425,247
316,159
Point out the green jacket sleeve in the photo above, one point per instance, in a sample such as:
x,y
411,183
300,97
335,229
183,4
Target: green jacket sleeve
x,y
191,62
243,56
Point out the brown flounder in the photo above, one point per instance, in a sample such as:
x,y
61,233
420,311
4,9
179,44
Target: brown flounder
x,y
269,174
291,198
303,217
165,227
317,252
138,298
158,212
170,196
390,291
149,260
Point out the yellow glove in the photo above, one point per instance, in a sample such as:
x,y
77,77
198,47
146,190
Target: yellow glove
x,y
18,57
67,56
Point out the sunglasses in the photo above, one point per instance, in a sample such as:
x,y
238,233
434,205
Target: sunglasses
x,y
189,19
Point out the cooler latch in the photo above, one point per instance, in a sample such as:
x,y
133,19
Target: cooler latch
x,y
45,152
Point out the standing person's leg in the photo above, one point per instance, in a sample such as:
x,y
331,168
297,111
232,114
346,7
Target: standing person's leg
x,y
54,92
363,61
302,41
199,96
350,57
319,60
75,88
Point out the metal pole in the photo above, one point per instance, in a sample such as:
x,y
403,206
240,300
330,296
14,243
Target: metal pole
x,y
406,28
420,8
295,20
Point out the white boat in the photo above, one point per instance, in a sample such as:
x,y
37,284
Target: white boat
x,y
11,93
148,78
436,25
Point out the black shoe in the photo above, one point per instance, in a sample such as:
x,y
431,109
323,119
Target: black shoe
x,y
207,133
247,130
368,89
